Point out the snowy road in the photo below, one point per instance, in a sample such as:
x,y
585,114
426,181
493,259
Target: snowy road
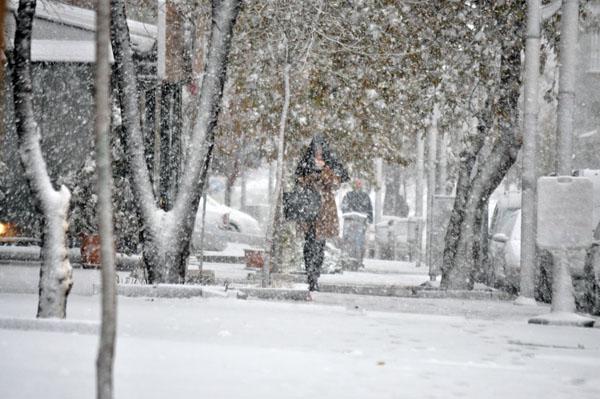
x,y
227,348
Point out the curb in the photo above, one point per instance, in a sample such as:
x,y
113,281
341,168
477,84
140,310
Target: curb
x,y
155,291
51,325
407,291
218,292
374,290
274,293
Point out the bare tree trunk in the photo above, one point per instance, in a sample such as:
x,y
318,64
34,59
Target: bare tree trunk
x,y
468,159
230,180
2,62
56,272
392,200
275,216
149,129
243,191
460,253
170,143
167,235
106,348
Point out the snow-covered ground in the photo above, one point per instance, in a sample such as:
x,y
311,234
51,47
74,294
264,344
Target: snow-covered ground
x,y
228,348
23,277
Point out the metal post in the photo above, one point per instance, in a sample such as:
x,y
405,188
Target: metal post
x,y
563,302
528,178
566,86
108,327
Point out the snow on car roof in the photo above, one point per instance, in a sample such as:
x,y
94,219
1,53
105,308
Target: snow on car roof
x,y
64,51
142,35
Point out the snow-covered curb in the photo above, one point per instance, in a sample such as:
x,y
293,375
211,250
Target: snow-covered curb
x,y
275,293
412,291
155,290
32,254
53,325
169,291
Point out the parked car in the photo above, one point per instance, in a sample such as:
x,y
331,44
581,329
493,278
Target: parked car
x,y
505,253
225,225
505,242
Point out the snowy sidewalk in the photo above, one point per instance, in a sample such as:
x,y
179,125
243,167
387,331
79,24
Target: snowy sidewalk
x,y
382,278
225,348
379,278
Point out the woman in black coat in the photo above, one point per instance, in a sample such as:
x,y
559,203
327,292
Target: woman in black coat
x,y
320,171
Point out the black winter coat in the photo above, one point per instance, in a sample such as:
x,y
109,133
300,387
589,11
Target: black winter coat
x,y
358,201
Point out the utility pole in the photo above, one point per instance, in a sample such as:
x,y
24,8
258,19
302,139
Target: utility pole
x,y
563,302
535,15
566,86
528,178
108,327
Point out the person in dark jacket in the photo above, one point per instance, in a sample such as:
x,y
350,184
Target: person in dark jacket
x,y
319,170
358,201
358,211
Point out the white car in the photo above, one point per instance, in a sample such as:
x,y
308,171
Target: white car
x,y
224,225
505,243
505,247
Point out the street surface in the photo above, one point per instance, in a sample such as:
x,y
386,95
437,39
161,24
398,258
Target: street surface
x,y
337,346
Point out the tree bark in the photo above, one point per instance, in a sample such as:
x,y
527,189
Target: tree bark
x,y
170,143
461,250
2,62
275,216
167,234
55,272
106,348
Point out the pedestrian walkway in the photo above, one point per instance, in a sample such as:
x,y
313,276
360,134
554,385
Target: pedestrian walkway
x,y
377,278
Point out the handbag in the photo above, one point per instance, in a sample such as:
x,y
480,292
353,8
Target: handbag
x,y
302,204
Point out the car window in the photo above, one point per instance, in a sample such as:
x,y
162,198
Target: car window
x,y
506,221
516,231
494,221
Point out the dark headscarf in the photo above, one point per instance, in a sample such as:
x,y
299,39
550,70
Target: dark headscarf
x,y
306,166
